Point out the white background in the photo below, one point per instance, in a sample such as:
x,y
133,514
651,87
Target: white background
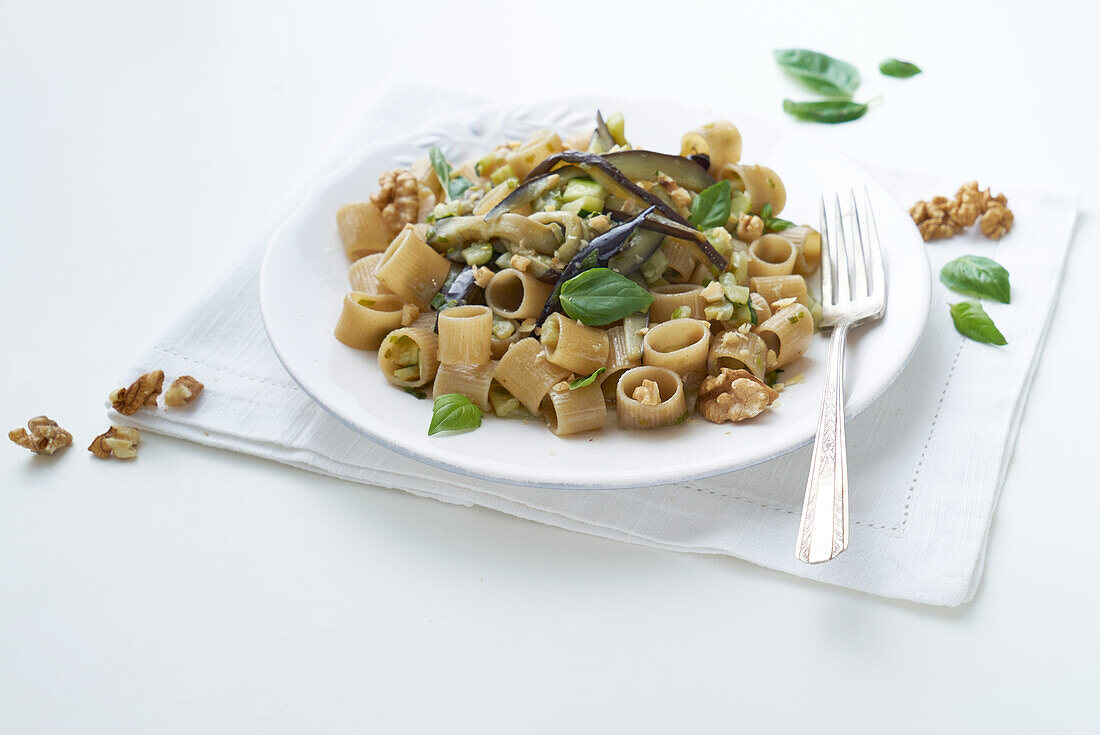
x,y
199,591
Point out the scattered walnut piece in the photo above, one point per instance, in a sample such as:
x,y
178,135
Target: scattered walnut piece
x,y
409,314
520,262
398,198
733,395
996,222
142,392
482,276
183,390
117,441
749,227
678,194
648,393
42,436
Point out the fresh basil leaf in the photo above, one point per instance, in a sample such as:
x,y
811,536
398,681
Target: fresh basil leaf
x,y
600,296
818,72
972,321
766,211
974,275
453,412
453,188
826,111
582,382
777,225
712,207
899,69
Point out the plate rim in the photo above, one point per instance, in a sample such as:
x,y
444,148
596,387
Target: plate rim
x,y
512,478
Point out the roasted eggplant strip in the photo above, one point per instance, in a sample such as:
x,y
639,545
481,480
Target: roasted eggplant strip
x,y
642,244
645,165
658,223
602,139
593,255
522,233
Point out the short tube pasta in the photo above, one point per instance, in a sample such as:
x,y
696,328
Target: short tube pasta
x,y
667,299
574,411
618,361
465,333
525,372
540,145
572,345
761,184
412,269
681,262
771,255
787,333
680,345
366,318
516,295
738,350
807,243
649,397
408,357
774,288
719,140
362,229
761,307
472,381
361,275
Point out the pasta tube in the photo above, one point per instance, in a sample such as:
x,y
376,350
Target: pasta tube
x,y
681,262
619,360
774,288
649,397
738,350
719,140
361,275
493,197
412,269
761,307
666,299
572,345
787,333
408,357
362,229
680,345
771,255
574,411
516,295
464,335
525,372
540,145
366,318
807,243
761,184
472,381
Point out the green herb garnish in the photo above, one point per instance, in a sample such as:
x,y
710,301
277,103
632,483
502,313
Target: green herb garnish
x,y
711,208
826,111
974,275
899,69
773,224
582,382
972,321
454,412
452,187
416,393
818,72
599,296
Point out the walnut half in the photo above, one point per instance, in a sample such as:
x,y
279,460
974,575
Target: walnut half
x,y
117,441
142,392
42,436
733,395
183,390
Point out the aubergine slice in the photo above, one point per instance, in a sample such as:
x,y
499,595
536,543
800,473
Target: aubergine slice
x,y
643,243
645,165
656,222
523,233
602,139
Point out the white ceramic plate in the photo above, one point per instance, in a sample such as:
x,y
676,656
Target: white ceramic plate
x,y
304,278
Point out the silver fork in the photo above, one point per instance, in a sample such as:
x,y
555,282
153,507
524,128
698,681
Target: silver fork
x,y
860,297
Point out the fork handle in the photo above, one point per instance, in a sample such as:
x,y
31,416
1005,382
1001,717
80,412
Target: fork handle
x,y
823,531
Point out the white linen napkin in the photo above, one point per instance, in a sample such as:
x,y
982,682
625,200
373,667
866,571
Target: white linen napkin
x,y
928,472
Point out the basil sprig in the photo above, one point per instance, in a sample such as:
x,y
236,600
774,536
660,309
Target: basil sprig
x,y
899,69
773,224
972,321
820,73
826,111
584,382
452,187
712,207
974,275
600,296
454,412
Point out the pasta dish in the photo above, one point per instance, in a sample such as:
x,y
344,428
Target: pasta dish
x,y
555,277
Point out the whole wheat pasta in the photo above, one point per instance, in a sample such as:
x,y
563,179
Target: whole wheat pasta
x,y
572,345
774,288
761,184
464,335
541,144
472,381
738,350
761,307
680,345
666,299
807,243
771,255
361,275
366,318
412,269
720,141
649,397
408,357
516,295
787,333
618,361
362,230
572,411
525,372
681,262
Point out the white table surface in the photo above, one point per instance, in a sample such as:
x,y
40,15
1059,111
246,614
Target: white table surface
x,y
195,590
